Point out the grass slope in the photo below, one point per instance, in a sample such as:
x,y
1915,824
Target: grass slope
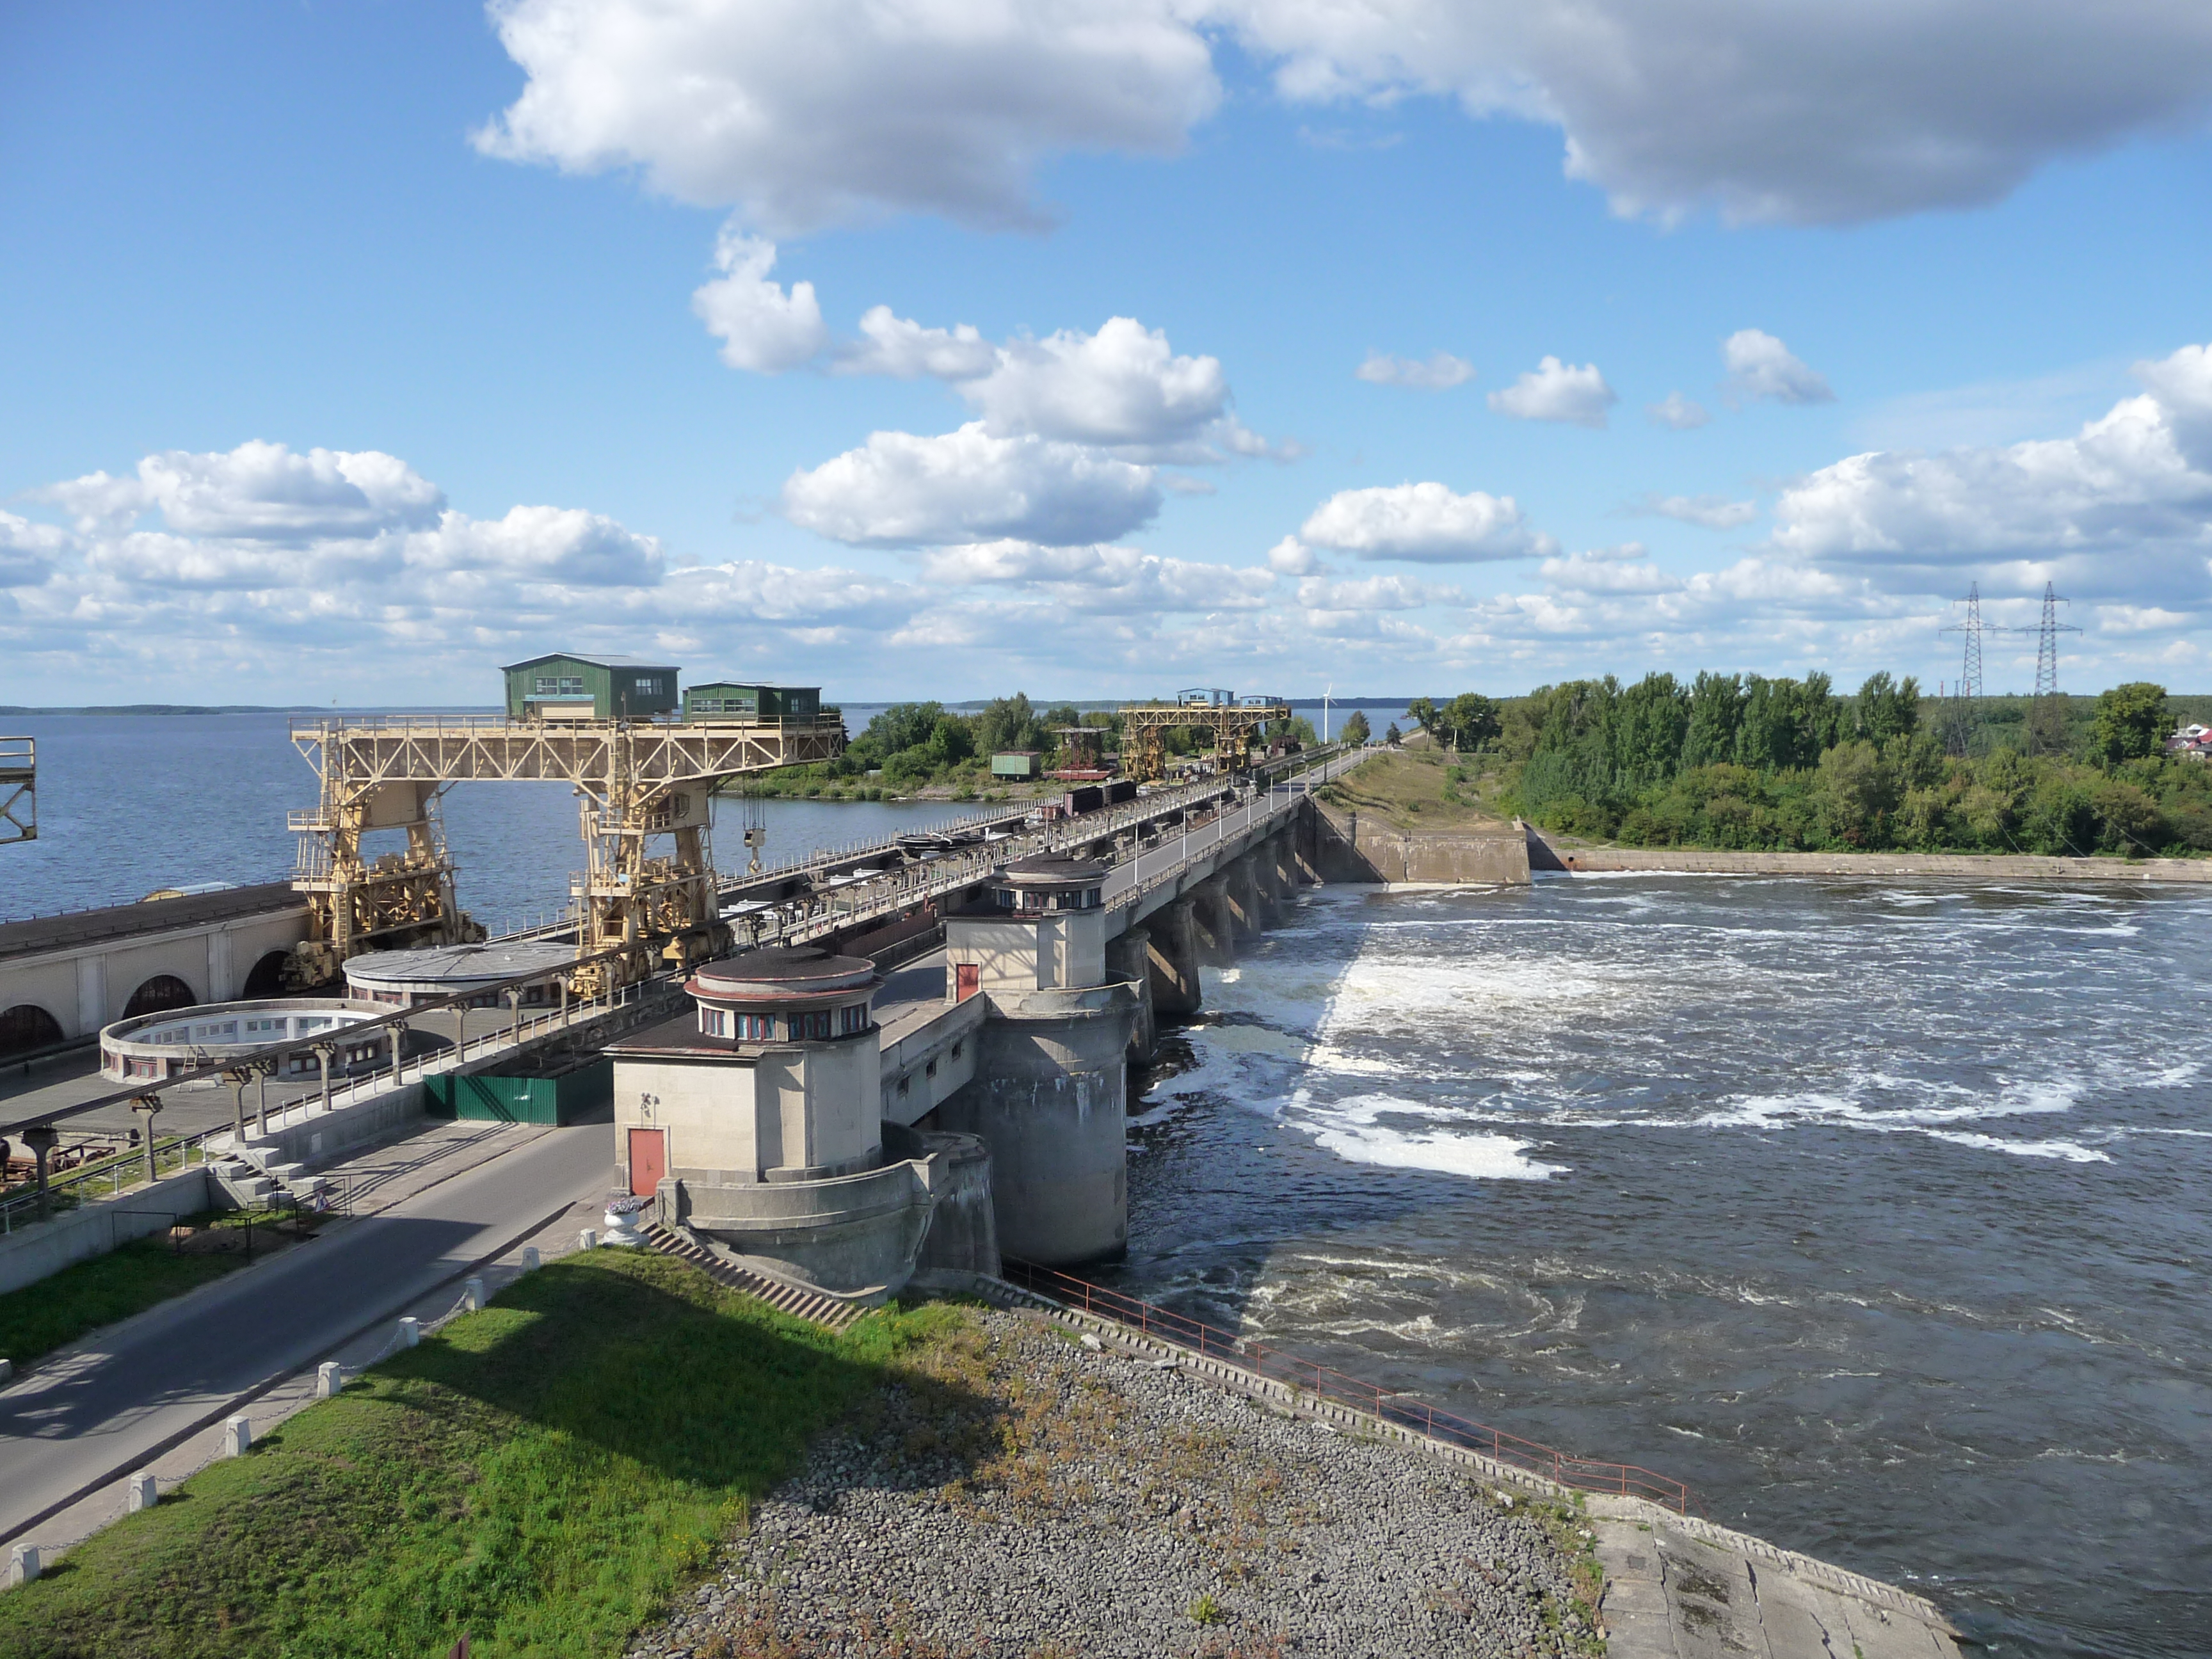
x,y
540,1476
1416,788
39,1318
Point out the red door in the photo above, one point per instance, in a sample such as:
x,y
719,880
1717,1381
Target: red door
x,y
649,1160
967,979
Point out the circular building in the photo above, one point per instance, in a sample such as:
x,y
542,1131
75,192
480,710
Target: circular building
x,y
155,1047
799,994
1032,886
402,979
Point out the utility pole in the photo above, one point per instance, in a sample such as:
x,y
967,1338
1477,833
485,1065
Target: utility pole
x,y
1959,734
2046,720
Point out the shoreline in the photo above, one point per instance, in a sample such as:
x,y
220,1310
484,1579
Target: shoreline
x,y
2017,867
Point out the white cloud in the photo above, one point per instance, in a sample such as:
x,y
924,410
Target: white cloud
x,y
258,492
27,550
1441,371
1554,391
1712,512
760,327
806,115
1826,113
905,350
1761,366
901,490
1623,569
1425,522
1823,113
1292,557
564,545
1374,593
1680,413
2130,484
1122,386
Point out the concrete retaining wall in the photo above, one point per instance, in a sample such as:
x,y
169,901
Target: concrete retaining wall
x,y
30,1254
1965,867
1348,848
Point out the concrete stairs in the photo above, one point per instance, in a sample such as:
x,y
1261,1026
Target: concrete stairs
x,y
255,1186
826,1311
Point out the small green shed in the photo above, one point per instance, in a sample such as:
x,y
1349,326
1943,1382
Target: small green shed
x,y
482,1098
729,699
1015,764
570,685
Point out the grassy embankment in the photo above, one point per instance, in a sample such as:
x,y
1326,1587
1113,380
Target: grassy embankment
x,y
1417,788
540,1476
81,1297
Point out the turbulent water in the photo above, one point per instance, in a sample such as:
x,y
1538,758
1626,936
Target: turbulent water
x,y
1876,1212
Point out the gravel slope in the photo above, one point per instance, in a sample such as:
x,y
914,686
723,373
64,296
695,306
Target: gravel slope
x,y
1016,1494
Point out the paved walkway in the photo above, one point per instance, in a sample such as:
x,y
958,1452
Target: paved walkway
x,y
444,1202
1671,1593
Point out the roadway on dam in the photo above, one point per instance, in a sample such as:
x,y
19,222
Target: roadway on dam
x,y
448,1199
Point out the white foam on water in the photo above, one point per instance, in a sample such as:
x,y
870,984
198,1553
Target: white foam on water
x,y
1353,1129
2072,1152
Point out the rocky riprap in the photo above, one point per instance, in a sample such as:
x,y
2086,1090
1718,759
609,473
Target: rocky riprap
x,y
1016,1494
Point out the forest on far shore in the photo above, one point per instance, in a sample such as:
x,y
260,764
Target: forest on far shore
x,y
1741,761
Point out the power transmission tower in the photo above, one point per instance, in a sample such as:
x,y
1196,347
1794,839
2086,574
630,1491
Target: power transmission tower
x,y
1960,722
2046,720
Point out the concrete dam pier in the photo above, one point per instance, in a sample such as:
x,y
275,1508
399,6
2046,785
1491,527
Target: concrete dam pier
x,y
813,1118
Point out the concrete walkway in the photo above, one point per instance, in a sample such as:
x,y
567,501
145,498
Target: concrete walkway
x,y
444,1202
1673,1594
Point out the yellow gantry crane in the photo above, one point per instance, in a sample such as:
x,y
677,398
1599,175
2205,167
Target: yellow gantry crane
x,y
19,789
644,789
1233,721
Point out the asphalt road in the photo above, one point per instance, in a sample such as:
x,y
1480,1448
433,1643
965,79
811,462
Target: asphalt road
x,y
99,1413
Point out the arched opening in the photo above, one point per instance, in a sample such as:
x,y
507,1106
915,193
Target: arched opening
x,y
158,995
267,979
27,1028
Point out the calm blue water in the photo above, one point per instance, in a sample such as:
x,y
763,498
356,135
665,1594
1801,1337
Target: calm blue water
x,y
129,803
1879,1212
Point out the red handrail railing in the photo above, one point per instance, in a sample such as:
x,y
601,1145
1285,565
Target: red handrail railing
x,y
1325,1382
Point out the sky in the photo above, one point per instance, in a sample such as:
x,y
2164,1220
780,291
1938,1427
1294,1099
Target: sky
x,y
1099,348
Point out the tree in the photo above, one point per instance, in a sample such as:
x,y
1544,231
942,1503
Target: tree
x,y
1887,709
2132,722
1008,723
1355,728
1472,719
1422,711
1392,736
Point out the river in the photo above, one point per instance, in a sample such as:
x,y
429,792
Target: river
x,y
1875,1211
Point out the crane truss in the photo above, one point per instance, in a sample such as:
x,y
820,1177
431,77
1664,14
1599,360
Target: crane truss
x,y
644,795
1234,723
19,789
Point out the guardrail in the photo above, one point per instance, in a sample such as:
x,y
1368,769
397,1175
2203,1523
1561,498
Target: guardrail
x,y
1325,1382
118,1170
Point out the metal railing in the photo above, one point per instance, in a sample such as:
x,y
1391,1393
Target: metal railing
x,y
115,1173
1326,1384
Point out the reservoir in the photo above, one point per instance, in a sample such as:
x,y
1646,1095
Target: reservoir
x,y
1875,1212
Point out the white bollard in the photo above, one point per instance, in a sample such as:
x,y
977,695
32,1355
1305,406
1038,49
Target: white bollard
x,y
22,1563
145,1491
589,1240
237,1436
472,1294
330,1379
411,1331
530,1262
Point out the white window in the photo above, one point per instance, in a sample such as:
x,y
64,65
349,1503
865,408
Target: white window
x,y
645,682
559,685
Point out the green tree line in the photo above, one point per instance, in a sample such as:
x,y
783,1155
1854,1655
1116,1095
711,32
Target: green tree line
x,y
1737,761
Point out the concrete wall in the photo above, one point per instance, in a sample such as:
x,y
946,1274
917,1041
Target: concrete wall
x,y
1050,1100
1037,952
30,1254
88,987
777,1115
928,1062
1348,848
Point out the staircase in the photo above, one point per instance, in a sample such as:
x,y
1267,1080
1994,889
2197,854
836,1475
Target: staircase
x,y
826,1311
254,1185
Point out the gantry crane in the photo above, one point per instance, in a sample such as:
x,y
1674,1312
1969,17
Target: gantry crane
x,y
644,790
1234,721
19,789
